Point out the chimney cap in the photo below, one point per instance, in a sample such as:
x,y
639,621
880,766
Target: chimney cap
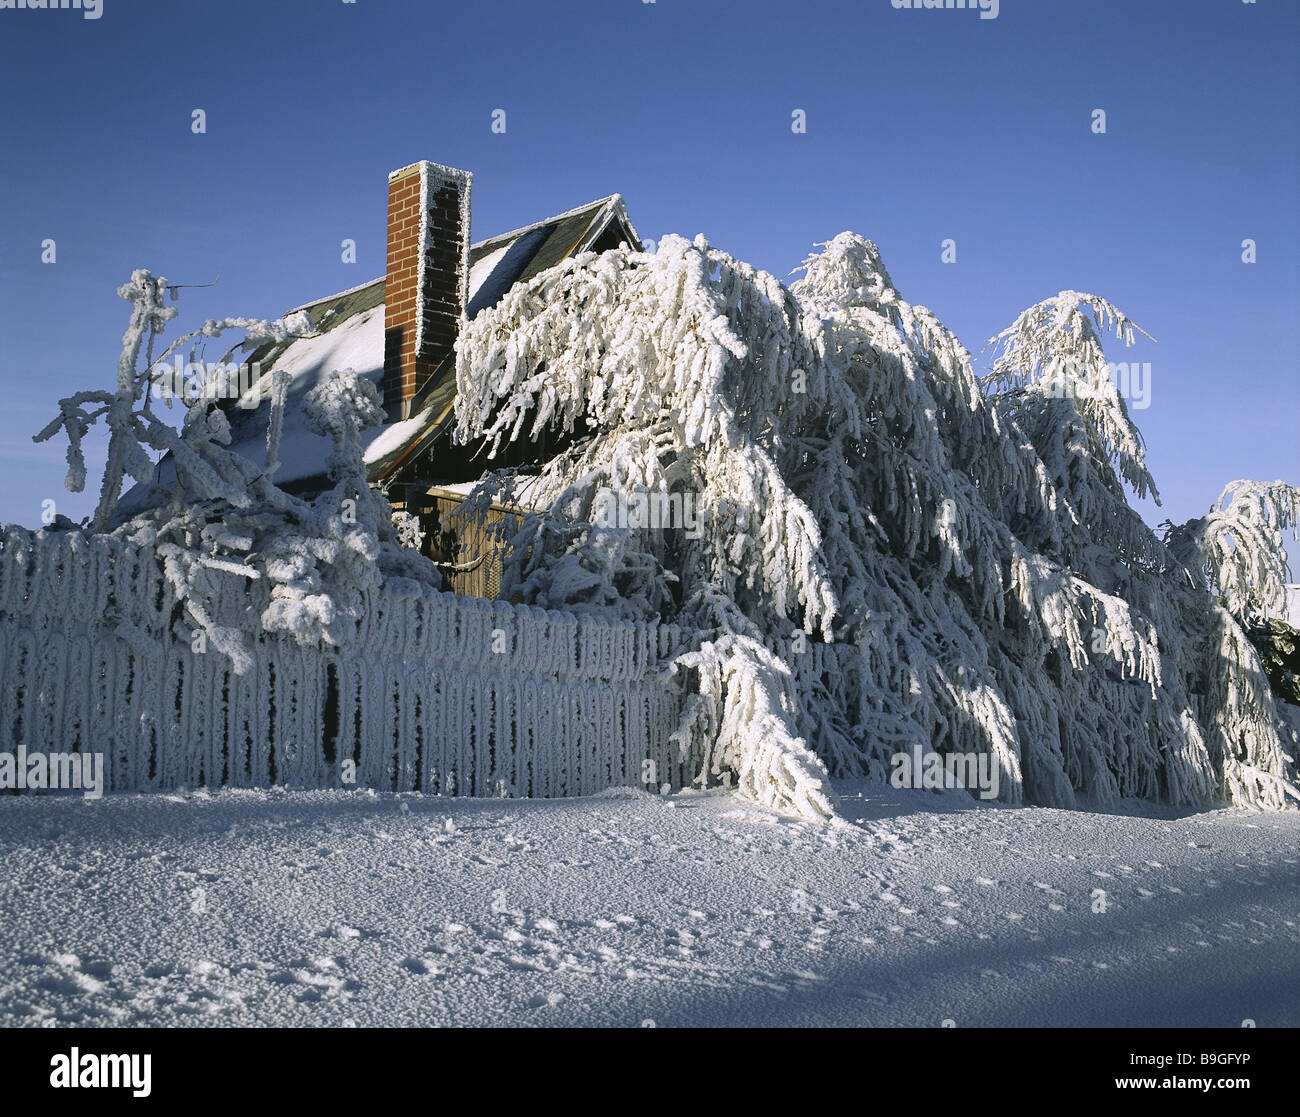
x,y
432,170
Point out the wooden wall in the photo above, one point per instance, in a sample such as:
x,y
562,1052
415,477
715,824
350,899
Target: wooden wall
x,y
468,553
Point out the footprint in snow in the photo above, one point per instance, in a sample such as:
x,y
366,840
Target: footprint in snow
x,y
319,976
70,982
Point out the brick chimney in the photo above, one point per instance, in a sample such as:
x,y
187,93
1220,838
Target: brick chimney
x,y
427,278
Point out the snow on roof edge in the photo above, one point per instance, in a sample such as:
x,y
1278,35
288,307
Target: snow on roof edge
x,y
336,295
618,206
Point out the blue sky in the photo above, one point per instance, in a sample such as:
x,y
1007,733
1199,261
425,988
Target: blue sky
x,y
921,126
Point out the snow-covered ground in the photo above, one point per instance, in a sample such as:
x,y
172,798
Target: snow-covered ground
x,y
626,909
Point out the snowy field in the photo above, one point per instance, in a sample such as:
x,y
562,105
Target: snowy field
x,y
627,910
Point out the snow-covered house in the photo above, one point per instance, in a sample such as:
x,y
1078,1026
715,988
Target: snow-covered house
x,y
399,330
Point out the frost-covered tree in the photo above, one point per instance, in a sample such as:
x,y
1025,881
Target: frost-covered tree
x,y
1237,551
222,513
884,550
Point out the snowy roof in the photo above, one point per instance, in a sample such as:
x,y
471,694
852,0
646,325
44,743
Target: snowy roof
x,y
523,498
350,327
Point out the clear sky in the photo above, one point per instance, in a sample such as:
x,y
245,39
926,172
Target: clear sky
x,y
921,126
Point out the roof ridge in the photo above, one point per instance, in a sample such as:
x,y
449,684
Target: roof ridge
x,y
606,200
336,295
614,202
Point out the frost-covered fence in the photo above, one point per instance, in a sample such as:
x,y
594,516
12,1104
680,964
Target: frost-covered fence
x,y
434,692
